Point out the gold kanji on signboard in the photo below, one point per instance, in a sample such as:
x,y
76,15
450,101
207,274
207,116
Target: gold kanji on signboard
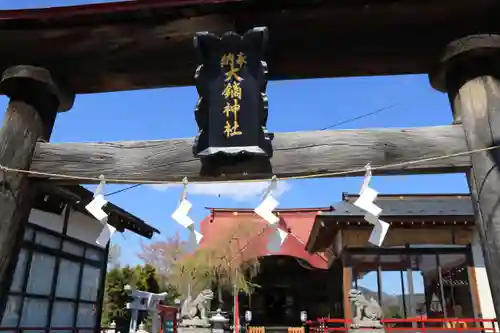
x,y
234,63
232,109
232,130
232,92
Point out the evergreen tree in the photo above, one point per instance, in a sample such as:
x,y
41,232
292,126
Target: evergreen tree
x,y
116,297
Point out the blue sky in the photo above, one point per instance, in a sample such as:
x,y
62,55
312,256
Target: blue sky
x,y
304,105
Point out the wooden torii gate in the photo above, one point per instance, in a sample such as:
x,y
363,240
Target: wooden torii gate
x,y
147,44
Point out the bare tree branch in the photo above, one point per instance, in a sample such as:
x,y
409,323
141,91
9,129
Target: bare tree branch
x,y
163,255
114,255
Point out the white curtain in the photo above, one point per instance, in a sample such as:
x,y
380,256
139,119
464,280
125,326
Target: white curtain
x,y
47,240
41,273
62,315
90,283
28,234
17,281
67,279
94,254
12,312
72,248
85,317
34,313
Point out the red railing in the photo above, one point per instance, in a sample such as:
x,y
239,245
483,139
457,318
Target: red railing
x,y
63,329
325,325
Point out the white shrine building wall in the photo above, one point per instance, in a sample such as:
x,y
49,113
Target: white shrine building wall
x,y
59,273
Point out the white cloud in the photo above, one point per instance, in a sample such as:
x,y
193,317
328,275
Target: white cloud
x,y
237,191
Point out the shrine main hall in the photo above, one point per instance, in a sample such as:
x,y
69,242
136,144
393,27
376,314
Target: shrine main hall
x,y
430,265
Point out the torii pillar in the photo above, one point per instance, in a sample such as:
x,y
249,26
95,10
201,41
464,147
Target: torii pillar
x,y
469,71
35,99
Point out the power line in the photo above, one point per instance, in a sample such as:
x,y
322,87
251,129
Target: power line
x,y
122,190
364,115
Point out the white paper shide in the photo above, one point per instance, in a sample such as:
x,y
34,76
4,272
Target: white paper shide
x,y
265,210
95,208
366,202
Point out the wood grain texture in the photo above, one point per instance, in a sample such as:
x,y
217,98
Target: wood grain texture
x,y
30,116
295,154
151,46
21,128
478,104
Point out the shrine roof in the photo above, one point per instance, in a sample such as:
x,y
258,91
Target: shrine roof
x,y
408,205
149,43
298,223
401,210
121,219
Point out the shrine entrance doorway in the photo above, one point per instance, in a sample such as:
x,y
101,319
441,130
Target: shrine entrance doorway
x,y
289,285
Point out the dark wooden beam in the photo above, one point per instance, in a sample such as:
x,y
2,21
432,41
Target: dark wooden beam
x,y
150,46
31,112
469,71
295,154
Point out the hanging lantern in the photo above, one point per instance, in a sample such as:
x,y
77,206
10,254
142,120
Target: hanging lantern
x,y
231,112
248,316
303,316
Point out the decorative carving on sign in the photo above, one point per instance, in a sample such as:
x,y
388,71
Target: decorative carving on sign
x,y
196,309
231,112
368,313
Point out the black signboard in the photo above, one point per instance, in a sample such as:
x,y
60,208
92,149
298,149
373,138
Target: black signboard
x,y
231,112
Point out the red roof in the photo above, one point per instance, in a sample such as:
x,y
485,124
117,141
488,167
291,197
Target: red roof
x,y
298,222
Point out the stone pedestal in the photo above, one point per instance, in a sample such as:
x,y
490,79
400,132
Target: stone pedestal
x,y
194,326
368,327
194,323
194,329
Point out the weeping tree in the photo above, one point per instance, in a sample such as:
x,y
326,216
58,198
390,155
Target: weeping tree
x,y
226,261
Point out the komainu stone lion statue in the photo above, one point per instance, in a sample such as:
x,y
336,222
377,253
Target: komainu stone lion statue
x,y
367,313
196,309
